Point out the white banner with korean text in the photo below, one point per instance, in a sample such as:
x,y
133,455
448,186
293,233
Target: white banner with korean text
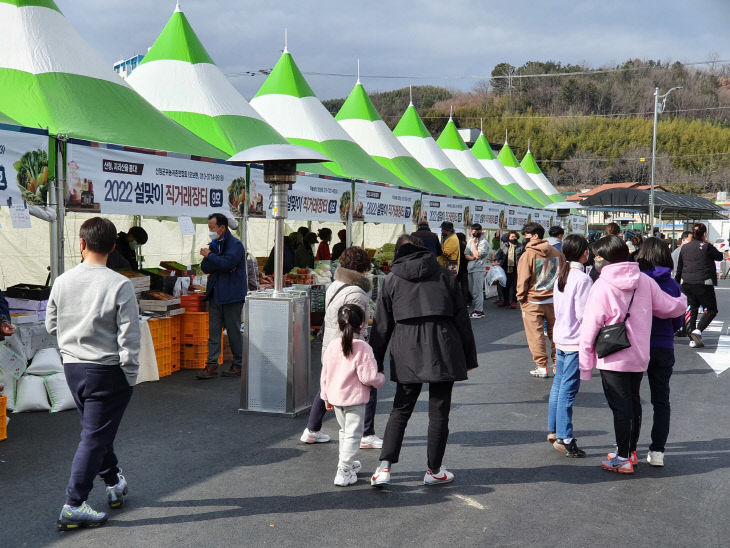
x,y
112,181
384,204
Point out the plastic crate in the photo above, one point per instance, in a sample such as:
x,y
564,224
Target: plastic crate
x,y
176,357
194,328
194,302
161,332
164,361
3,418
193,356
226,354
176,329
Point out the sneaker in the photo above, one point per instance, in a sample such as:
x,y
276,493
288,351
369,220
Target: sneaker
x,y
381,477
313,437
696,337
371,442
540,372
634,460
569,449
345,476
75,517
655,458
552,437
619,465
476,314
356,466
115,493
443,476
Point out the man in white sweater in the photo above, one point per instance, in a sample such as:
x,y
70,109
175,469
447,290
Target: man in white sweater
x,y
93,312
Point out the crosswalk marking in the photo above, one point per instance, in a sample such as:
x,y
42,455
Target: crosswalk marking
x,y
719,358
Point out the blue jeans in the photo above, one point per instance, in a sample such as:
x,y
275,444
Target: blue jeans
x,y
562,395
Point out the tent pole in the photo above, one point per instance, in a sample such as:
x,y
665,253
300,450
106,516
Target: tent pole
x,y
53,225
137,221
243,225
348,239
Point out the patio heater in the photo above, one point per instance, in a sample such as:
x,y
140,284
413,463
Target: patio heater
x,y
276,369
563,210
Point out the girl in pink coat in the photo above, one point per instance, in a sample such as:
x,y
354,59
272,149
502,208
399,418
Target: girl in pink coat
x,y
622,288
349,370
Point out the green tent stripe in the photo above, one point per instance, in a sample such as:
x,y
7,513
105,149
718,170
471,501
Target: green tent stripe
x,y
529,164
408,169
521,194
351,162
7,120
539,196
231,134
358,106
482,150
507,157
411,125
450,138
178,42
286,79
50,4
97,110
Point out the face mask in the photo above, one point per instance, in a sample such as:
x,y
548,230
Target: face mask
x,y
598,264
213,236
476,234
513,242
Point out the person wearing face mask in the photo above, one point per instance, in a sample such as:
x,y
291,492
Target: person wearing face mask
x,y
507,257
450,250
225,263
476,253
124,256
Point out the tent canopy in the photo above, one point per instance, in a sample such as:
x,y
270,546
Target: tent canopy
x,y
667,205
360,119
180,79
533,171
52,78
510,163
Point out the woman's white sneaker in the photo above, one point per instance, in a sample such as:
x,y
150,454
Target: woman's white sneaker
x,y
442,476
309,436
381,477
345,476
655,458
371,442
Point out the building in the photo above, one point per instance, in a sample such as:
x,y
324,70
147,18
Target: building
x,y
125,67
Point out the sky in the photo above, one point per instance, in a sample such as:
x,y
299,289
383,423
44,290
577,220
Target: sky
x,y
399,43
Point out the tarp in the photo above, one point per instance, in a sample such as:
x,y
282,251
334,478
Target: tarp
x,y
484,153
361,121
286,101
510,163
414,136
456,150
180,79
530,166
51,78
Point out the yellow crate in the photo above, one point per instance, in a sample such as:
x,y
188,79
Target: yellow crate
x,y
3,418
161,330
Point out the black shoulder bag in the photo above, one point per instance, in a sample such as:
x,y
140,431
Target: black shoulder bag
x,y
612,338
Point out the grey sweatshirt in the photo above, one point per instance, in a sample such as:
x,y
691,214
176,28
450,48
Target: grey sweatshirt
x,y
93,312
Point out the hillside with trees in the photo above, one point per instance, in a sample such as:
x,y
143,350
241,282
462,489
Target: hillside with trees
x,y
589,126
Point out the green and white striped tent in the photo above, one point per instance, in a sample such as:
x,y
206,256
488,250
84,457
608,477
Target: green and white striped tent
x,y
456,150
179,78
510,163
414,136
286,101
530,166
484,153
51,78
361,121
7,120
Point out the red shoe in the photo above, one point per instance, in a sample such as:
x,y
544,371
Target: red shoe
x,y
621,466
632,457
514,305
501,304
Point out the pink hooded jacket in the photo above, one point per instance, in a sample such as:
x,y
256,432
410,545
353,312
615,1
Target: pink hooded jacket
x,y
607,303
347,381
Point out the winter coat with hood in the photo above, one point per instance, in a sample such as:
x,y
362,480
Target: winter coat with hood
x,y
608,303
537,271
422,314
356,291
662,330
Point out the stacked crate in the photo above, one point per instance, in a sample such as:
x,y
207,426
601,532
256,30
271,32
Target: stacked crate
x,y
194,340
3,418
176,336
161,330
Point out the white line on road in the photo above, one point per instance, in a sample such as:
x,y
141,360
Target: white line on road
x,y
719,360
470,502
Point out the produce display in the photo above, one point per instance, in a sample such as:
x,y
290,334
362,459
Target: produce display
x,y
383,258
32,171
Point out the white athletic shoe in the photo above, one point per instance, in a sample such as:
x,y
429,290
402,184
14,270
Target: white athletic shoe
x,y
692,344
380,477
371,442
443,476
313,437
345,476
696,337
655,458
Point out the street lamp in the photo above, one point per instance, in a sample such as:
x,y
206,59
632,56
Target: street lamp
x,y
657,110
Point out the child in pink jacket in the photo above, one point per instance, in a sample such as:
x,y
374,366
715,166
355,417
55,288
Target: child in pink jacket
x,y
349,370
621,372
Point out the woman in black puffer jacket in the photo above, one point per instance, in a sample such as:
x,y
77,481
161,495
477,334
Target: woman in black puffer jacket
x,y
697,275
421,312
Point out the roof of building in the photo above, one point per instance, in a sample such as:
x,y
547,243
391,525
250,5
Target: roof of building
x,y
578,196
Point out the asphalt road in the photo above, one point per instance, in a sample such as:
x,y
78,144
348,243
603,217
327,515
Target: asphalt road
x,y
202,475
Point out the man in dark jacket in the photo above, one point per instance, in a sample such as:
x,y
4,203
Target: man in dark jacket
x,y
289,245
507,257
429,239
124,255
225,262
421,312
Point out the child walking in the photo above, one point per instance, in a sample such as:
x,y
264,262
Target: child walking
x,y
569,302
656,262
622,294
349,370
